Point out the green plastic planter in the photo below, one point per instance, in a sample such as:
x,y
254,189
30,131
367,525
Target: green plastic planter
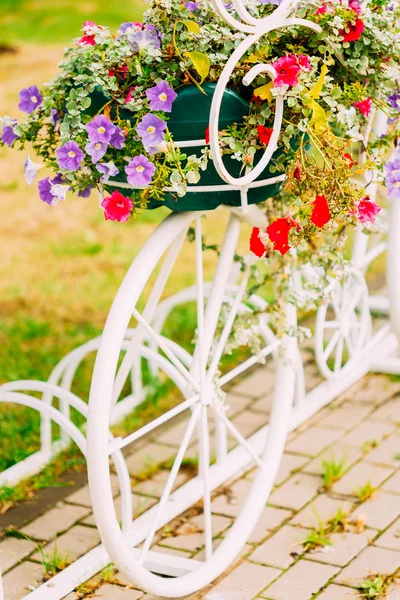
x,y
188,120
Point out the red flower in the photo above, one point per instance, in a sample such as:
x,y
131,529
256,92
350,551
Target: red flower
x,y
297,172
278,233
264,134
207,134
364,106
129,95
304,62
353,31
287,69
322,10
367,210
257,100
349,160
117,207
256,245
87,40
321,214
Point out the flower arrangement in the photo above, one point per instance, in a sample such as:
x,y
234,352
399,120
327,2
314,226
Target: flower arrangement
x,y
106,113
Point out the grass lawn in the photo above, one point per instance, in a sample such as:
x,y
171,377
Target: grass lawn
x,y
44,22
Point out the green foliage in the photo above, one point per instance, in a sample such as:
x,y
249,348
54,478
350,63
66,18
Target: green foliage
x,y
333,470
375,586
365,492
54,561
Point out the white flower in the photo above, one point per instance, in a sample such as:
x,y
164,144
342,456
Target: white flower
x,y
59,192
31,169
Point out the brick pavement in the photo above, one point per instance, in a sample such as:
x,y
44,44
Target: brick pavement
x,y
362,427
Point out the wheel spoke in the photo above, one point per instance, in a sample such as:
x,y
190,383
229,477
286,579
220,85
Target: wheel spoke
x,y
205,476
167,351
236,433
161,281
119,443
350,344
331,324
250,362
228,326
331,344
353,302
170,481
339,355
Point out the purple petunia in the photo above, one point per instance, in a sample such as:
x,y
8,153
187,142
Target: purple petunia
x,y
108,169
51,191
117,138
161,97
144,39
29,99
394,100
85,193
151,130
8,135
129,26
55,117
96,150
192,6
392,177
70,156
140,171
30,170
100,129
276,2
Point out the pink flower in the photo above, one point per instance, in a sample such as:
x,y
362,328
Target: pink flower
x,y
322,10
367,210
303,61
117,207
364,106
129,95
287,69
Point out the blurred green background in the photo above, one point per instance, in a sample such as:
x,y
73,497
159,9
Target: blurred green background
x,y
53,21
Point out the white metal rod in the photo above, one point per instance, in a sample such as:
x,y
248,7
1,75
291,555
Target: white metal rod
x,y
172,357
170,481
120,443
250,362
223,187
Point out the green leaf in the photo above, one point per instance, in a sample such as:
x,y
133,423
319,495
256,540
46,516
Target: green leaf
x,y
71,106
201,63
86,102
192,26
72,94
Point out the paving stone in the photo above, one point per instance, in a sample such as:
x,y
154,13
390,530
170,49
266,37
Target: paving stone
x,y
380,510
367,431
371,560
56,520
13,550
259,383
148,457
345,546
263,405
156,484
115,592
296,491
82,496
301,581
281,549
192,537
139,504
372,389
290,463
270,519
230,503
322,509
393,592
247,423
18,582
391,537
337,452
336,592
386,452
243,583
236,403
74,543
313,441
358,476
389,412
392,484
345,417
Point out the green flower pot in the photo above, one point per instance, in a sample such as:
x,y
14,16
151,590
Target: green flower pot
x,y
188,120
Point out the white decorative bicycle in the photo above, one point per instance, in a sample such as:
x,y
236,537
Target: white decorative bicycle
x,y
135,343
